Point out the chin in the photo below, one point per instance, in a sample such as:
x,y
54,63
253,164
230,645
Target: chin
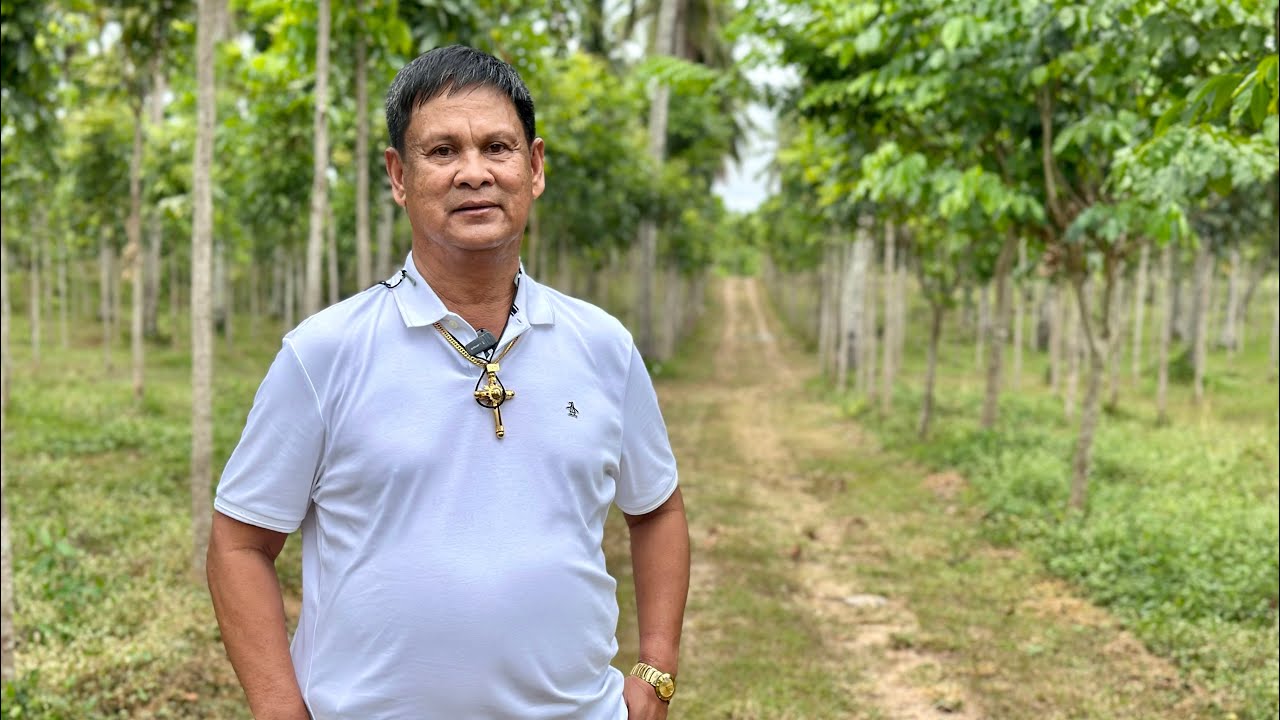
x,y
481,244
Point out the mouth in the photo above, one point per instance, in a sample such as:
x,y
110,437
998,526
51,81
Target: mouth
x,y
474,207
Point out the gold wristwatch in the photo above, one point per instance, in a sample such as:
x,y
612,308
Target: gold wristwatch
x,y
662,682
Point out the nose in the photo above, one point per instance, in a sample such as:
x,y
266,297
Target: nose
x,y
473,171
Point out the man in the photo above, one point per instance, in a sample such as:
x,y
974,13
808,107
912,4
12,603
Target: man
x,y
452,491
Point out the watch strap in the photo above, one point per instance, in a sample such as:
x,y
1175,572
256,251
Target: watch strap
x,y
663,683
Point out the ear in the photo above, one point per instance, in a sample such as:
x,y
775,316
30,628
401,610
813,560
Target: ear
x,y
395,171
537,160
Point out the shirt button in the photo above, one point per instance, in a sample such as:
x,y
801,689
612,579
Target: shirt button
x,y
453,324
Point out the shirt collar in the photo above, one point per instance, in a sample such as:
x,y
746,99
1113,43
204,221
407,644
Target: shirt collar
x,y
419,305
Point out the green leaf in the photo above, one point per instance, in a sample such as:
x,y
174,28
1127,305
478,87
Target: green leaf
x,y
1213,96
1067,17
868,41
953,33
1171,116
1258,104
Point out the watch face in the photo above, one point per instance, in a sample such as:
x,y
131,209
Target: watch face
x,y
666,687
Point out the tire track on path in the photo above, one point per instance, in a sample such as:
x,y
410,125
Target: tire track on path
x,y
774,425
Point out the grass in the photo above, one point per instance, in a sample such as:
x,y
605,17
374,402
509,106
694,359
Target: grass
x,y
1180,537
109,620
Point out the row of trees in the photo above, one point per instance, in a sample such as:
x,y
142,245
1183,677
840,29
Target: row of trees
x,y
181,148
1053,152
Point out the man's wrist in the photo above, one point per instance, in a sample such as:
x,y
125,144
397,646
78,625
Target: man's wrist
x,y
667,666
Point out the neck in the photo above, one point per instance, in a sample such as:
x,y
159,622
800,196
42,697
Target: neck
x,y
479,287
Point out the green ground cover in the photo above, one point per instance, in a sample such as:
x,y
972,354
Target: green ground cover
x,y
109,620
1180,536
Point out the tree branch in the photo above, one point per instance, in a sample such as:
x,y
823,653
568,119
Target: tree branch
x,y
1045,103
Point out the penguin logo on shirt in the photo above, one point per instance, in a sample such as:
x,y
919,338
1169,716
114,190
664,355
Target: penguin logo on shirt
x,y
573,411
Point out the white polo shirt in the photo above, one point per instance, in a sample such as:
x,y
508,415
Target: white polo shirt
x,y
448,573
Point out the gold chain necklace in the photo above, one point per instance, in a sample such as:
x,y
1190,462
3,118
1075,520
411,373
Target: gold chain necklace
x,y
493,394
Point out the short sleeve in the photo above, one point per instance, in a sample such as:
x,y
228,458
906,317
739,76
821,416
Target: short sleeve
x,y
268,479
647,468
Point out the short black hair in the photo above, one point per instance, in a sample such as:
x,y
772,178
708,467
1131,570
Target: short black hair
x,y
451,70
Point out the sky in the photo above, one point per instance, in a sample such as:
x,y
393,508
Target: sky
x,y
746,184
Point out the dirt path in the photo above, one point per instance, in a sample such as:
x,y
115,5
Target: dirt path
x,y
745,432
777,424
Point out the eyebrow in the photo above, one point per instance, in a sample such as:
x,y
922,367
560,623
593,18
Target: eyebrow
x,y
447,136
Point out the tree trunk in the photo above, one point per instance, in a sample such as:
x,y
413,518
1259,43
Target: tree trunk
x,y
175,289
290,293
1044,318
331,253
36,290
1096,346
301,289
364,273
858,293
79,291
1019,314
229,298
5,311
386,224
848,312
319,165
983,327
998,331
1139,309
1200,331
887,369
280,286
564,278
968,310
867,352
1057,335
219,287
646,266
64,295
931,368
1215,306
255,299
1178,310
663,44
8,640
104,281
1114,349
1072,350
826,356
900,305
1168,298
1256,276
133,255
201,288
1229,337
155,224
223,294
671,300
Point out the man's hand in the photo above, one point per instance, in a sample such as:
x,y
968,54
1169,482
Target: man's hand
x,y
642,701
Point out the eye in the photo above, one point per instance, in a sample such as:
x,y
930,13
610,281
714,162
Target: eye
x,y
442,151
497,147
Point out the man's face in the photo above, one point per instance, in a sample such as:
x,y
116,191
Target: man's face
x,y
467,176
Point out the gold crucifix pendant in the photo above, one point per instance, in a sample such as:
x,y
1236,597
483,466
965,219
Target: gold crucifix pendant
x,y
492,395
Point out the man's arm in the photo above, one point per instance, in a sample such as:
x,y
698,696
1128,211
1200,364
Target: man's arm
x,y
660,563
246,598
